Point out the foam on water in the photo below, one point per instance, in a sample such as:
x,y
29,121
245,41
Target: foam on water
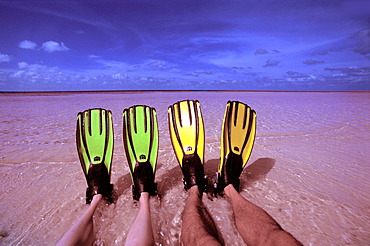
x,y
309,168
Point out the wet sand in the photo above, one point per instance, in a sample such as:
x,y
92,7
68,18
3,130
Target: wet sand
x,y
309,167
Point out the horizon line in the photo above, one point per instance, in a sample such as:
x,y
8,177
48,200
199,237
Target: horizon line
x,y
198,90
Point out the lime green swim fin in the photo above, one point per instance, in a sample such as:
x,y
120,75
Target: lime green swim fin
x,y
237,139
140,138
187,137
94,137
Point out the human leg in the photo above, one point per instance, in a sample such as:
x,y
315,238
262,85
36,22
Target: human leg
x,y
82,232
141,232
254,224
198,227
187,136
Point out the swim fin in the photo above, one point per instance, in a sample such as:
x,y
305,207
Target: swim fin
x,y
187,137
237,139
94,137
140,138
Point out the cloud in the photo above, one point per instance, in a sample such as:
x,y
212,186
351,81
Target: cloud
x,y
312,62
22,65
35,67
4,58
26,44
110,64
298,75
92,57
52,46
199,73
157,64
261,52
271,63
362,42
119,76
48,46
236,69
36,75
350,71
321,53
80,32
251,74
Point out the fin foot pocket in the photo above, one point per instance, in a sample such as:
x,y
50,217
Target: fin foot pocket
x,y
230,173
106,191
143,177
98,183
192,169
237,140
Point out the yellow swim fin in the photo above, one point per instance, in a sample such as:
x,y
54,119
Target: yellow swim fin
x,y
237,139
187,136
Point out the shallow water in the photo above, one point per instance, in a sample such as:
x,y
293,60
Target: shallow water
x,y
309,168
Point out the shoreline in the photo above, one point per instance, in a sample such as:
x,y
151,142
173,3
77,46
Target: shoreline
x,y
30,93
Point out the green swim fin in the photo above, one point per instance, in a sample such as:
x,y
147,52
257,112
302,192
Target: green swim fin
x,y
237,139
94,137
187,137
140,138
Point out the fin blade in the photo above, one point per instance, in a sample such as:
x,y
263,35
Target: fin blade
x,y
186,129
94,138
140,136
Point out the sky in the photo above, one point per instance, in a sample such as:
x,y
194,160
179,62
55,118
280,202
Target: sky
x,y
185,45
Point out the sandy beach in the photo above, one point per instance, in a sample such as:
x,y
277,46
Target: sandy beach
x,y
309,168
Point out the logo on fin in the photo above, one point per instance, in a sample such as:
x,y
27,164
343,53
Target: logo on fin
x,y
142,157
97,158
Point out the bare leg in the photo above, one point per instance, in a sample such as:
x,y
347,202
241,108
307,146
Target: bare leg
x,y
141,232
255,225
82,233
198,227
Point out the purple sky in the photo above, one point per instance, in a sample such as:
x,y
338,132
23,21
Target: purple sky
x,y
195,45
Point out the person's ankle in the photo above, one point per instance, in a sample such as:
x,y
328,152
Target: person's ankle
x,y
194,190
229,189
144,196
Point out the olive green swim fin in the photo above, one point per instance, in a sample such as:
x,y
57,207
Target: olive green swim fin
x,y
187,137
237,139
94,137
140,138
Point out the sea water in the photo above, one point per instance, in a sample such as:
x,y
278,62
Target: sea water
x,y
309,168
